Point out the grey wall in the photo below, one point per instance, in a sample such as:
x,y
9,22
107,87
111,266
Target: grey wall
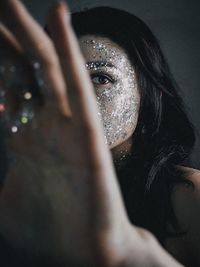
x,y
177,24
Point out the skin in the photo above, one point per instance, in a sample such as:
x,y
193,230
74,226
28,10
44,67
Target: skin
x,y
186,247
117,94
35,208
115,85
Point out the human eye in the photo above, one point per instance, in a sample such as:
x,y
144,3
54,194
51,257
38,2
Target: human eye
x,y
101,79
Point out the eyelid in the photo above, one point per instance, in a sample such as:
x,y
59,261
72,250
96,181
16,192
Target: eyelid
x,y
110,77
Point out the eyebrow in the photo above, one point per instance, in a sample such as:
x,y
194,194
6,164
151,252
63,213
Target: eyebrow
x,y
99,64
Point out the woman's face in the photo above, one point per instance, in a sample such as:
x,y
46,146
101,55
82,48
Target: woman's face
x,y
116,88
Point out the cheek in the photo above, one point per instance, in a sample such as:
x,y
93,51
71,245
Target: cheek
x,y
118,111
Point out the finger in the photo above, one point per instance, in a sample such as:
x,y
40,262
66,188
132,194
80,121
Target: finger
x,y
107,197
38,47
11,51
15,70
8,40
80,90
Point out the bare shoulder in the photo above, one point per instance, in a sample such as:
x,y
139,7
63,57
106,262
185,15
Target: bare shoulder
x,y
186,199
186,204
193,175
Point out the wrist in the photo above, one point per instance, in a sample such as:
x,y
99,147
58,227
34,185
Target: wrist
x,y
145,250
158,256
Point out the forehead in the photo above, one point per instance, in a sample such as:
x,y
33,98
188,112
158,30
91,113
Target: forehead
x,y
97,48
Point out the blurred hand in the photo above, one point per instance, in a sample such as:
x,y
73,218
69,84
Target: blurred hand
x,y
60,197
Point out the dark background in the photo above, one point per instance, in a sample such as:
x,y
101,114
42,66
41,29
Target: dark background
x,y
176,23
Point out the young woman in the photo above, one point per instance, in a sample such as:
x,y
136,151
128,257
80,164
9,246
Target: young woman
x,y
63,202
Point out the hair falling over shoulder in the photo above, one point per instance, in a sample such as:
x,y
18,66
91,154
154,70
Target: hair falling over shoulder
x,y
164,136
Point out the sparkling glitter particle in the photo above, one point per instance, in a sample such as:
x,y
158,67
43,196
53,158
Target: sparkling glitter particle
x,y
2,108
14,129
36,65
27,95
24,120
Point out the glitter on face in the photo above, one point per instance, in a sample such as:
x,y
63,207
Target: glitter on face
x,y
115,85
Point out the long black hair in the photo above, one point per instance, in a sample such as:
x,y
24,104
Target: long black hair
x,y
164,136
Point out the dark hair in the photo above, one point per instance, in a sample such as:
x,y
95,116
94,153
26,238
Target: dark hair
x,y
164,135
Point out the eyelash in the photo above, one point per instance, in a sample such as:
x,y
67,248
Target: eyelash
x,y
104,76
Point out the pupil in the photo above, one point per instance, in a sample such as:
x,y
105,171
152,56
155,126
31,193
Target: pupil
x,y
102,80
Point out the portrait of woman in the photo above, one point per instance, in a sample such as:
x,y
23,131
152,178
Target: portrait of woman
x,y
95,144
